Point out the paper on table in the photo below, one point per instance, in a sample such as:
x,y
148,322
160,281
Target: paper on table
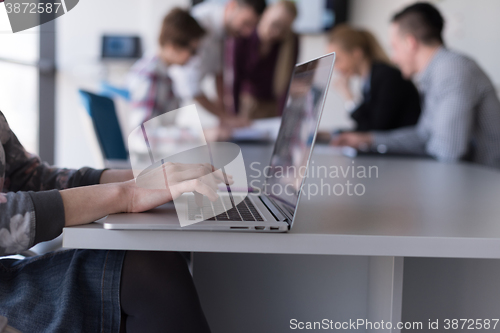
x,y
332,150
260,129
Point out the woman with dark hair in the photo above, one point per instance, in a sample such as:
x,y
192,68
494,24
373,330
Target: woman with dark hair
x,y
389,101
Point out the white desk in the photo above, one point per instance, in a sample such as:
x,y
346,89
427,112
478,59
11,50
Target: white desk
x,y
415,208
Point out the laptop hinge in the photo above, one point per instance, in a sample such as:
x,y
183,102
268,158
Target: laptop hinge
x,y
283,210
275,209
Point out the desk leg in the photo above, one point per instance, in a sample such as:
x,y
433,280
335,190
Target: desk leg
x,y
385,291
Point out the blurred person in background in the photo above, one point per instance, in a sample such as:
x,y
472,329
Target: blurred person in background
x,y
388,100
460,108
150,80
257,69
237,18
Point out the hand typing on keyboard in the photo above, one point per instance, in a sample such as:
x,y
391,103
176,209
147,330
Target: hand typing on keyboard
x,y
178,178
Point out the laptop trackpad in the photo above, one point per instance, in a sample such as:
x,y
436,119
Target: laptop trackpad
x,y
168,207
160,211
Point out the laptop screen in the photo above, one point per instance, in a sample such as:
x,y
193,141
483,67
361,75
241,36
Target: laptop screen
x,y
297,134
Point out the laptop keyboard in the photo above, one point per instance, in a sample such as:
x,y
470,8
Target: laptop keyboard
x,y
245,210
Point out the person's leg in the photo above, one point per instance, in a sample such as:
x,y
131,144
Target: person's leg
x,y
158,294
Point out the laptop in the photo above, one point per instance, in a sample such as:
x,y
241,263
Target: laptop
x,y
275,208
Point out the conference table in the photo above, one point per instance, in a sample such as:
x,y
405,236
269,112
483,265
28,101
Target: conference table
x,y
377,239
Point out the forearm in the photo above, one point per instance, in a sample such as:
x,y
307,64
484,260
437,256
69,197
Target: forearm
x,y
406,140
219,80
87,204
116,176
210,106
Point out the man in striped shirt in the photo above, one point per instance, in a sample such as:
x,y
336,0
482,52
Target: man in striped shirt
x,y
460,109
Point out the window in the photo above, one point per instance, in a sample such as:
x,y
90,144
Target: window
x,y
19,55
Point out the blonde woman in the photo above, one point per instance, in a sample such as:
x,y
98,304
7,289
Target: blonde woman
x,y
389,101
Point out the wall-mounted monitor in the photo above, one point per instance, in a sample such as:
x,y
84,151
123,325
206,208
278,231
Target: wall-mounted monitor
x,y
316,16
121,47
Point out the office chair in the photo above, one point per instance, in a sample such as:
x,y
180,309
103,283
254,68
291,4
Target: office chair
x,y
111,91
107,129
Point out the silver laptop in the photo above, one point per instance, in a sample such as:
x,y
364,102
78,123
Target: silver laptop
x,y
274,210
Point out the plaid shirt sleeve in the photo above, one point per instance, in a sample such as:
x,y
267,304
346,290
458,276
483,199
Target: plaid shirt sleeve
x,y
152,91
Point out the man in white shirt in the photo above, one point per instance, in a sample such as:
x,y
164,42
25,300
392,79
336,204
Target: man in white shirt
x,y
238,18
